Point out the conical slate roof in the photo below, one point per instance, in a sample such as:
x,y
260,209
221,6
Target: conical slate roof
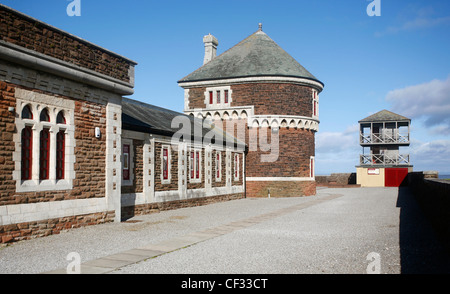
x,y
385,115
257,55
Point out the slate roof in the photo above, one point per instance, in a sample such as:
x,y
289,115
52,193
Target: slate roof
x,y
384,115
257,55
147,118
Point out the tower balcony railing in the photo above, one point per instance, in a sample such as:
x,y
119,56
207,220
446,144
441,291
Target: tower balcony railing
x,y
383,159
380,138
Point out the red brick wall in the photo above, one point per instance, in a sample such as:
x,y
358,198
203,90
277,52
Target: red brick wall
x,y
274,98
41,38
296,146
197,98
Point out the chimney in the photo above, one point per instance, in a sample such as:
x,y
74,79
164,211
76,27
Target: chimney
x,y
210,47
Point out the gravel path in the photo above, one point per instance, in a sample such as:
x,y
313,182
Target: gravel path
x,y
333,236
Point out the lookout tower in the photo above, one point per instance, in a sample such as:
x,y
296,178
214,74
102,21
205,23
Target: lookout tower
x,y
383,163
258,92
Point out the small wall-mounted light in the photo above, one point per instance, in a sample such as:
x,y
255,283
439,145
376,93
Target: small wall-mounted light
x,y
11,109
97,132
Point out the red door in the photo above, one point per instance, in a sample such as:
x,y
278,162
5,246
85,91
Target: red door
x,y
393,177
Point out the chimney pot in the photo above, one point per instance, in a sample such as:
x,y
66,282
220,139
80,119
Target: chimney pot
x,y
211,44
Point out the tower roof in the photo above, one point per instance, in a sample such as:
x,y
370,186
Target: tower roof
x,y
257,55
385,115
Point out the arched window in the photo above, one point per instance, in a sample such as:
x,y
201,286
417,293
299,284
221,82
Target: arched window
x,y
44,115
60,153
26,112
44,154
60,119
27,151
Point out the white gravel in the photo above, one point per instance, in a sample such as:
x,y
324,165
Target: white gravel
x,y
334,236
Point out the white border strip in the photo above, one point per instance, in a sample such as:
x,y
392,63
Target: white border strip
x,y
261,79
279,179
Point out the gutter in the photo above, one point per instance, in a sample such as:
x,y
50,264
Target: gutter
x,y
37,61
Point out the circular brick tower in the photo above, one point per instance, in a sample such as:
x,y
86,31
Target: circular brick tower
x,y
259,93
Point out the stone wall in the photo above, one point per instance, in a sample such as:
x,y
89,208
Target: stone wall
x,y
142,209
29,230
433,196
337,179
18,29
280,188
45,67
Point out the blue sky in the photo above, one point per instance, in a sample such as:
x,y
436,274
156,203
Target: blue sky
x,y
398,61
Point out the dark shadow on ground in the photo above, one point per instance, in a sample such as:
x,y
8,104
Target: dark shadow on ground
x,y
420,250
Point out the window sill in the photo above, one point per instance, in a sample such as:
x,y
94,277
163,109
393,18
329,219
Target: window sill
x,y
45,185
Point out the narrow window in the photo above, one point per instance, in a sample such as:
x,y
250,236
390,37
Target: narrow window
x,y
27,147
26,113
44,115
225,96
236,166
60,154
165,163
218,97
192,164
60,119
218,165
311,170
197,165
44,154
126,162
211,100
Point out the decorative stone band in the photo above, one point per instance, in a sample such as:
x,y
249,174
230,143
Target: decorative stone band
x,y
257,121
285,121
279,179
259,79
31,212
41,62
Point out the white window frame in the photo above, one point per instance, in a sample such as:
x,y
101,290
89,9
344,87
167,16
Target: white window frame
x,y
169,160
218,166
236,170
312,167
37,102
315,104
128,182
194,167
222,103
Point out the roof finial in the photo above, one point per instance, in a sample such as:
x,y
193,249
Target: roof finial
x,y
260,27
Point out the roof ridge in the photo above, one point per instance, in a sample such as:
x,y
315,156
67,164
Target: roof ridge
x,y
256,55
219,55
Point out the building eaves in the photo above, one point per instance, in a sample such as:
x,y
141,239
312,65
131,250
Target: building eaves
x,y
384,115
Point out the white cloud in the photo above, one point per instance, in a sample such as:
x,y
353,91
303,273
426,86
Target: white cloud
x,y
423,18
434,155
428,101
337,151
337,142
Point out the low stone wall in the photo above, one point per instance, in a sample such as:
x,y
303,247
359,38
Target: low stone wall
x,y
142,209
261,189
433,196
29,230
337,180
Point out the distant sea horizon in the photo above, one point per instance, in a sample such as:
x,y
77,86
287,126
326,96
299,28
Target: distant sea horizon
x,y
444,176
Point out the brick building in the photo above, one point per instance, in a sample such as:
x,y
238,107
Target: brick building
x,y
263,96
75,152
